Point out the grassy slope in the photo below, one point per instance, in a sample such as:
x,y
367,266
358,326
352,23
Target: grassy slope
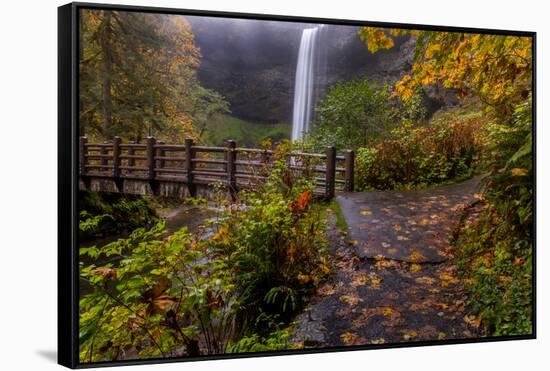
x,y
246,133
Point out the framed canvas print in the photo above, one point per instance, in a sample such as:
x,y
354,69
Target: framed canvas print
x,y
235,185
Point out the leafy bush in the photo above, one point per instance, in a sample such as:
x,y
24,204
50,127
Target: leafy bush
x,y
102,214
448,148
168,297
277,340
358,113
495,253
183,295
274,243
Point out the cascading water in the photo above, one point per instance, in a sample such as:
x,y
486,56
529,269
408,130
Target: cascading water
x,y
303,87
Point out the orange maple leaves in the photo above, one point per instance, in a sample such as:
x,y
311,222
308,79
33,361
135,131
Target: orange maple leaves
x,y
300,204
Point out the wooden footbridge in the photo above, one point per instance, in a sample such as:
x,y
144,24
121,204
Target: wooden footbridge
x,y
190,170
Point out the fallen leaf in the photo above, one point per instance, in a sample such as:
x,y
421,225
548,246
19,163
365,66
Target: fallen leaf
x,y
349,338
366,212
360,280
386,263
416,256
472,321
352,300
374,279
446,279
415,267
425,280
410,335
378,341
424,222
326,290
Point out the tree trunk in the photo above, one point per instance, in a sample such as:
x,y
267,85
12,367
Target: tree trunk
x,y
107,66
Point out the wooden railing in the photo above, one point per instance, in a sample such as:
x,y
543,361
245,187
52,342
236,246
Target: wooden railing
x,y
192,164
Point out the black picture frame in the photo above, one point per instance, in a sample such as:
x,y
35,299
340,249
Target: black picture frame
x,y
68,74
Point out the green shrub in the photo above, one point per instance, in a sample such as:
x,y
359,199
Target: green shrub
x,y
358,113
447,148
275,245
495,253
277,340
165,297
184,296
103,213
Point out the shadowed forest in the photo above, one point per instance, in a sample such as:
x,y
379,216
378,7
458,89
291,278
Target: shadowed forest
x,y
435,241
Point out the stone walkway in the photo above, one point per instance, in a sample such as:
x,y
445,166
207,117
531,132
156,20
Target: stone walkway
x,y
394,280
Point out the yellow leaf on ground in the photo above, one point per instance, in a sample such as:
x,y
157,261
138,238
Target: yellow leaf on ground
x,y
351,299
360,280
472,321
366,212
416,256
410,335
415,267
326,290
425,280
349,338
375,280
446,279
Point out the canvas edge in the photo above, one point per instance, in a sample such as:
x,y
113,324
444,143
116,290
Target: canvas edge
x,y
68,182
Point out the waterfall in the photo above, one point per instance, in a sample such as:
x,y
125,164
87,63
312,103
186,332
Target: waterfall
x,y
303,87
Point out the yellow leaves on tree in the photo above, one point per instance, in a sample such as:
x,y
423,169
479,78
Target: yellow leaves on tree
x,y
376,38
495,68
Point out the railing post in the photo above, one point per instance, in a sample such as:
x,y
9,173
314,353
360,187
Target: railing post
x,y
189,156
350,170
131,152
116,164
116,157
231,167
330,172
103,151
82,152
151,141
160,153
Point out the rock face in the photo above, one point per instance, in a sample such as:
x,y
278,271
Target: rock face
x,y
253,63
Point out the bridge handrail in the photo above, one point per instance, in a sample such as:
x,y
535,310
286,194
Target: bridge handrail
x,y
119,161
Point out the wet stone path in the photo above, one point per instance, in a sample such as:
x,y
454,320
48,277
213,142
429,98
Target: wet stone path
x,y
394,279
